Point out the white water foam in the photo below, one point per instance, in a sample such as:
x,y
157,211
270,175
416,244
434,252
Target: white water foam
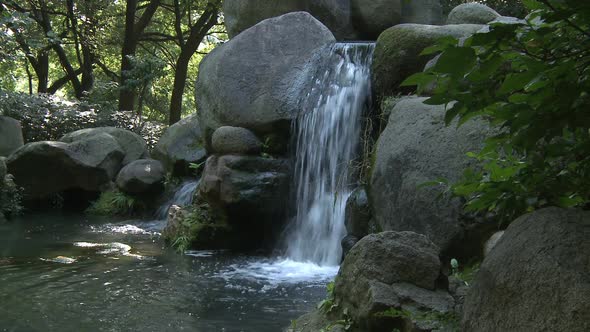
x,y
281,271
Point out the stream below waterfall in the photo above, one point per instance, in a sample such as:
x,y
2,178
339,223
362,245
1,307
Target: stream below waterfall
x,y
77,273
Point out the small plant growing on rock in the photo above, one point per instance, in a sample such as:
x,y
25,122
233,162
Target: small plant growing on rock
x,y
328,304
112,203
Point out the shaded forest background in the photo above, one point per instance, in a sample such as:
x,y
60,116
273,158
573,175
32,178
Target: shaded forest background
x,y
72,64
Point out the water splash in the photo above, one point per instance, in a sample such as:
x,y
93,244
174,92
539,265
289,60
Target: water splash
x,y
327,135
183,197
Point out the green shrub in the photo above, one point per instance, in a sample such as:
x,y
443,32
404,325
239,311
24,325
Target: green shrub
x,y
48,117
532,81
114,203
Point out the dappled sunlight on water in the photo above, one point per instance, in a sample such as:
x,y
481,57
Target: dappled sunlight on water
x,y
72,273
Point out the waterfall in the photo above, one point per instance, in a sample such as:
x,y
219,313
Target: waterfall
x,y
182,197
327,138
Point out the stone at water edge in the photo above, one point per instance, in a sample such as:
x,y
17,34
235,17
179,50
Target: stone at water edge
x,y
256,80
180,145
235,140
11,135
46,168
143,176
417,147
251,192
357,213
472,13
537,278
132,144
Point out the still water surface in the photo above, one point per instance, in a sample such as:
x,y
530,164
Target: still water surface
x,y
75,273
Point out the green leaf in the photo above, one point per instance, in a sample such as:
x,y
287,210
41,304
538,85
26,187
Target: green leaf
x,y
455,61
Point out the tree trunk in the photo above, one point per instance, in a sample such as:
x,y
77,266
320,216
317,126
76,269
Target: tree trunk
x,y
198,32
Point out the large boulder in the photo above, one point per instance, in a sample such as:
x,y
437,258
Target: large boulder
x,y
335,14
422,12
417,147
251,191
235,140
390,270
397,53
143,176
45,168
256,80
472,13
537,278
181,145
371,17
243,14
133,145
11,135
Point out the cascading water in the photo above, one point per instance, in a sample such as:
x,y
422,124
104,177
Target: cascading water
x,y
328,134
182,197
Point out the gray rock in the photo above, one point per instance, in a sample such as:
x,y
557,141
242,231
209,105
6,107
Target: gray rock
x,y
181,145
347,243
3,170
11,135
336,15
45,168
133,145
235,140
256,79
422,12
388,257
384,271
492,242
252,193
472,13
397,53
143,176
416,147
357,213
243,14
371,17
537,278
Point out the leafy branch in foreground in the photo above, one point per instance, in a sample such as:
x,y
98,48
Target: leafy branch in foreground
x,y
530,79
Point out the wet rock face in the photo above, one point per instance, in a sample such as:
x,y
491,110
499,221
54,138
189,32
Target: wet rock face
x,y
252,192
255,81
11,136
537,277
417,147
143,176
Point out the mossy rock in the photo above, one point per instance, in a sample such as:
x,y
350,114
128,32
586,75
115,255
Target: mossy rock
x,y
397,53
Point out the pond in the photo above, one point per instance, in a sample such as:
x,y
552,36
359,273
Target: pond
x,y
76,273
